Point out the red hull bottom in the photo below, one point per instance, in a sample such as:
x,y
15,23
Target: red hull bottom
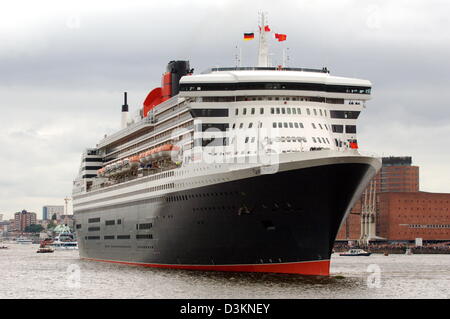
x,y
311,268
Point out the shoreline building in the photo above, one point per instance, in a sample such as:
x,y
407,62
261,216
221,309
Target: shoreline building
x,y
24,219
48,211
392,208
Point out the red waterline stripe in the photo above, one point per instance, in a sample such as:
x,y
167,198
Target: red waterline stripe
x,y
312,268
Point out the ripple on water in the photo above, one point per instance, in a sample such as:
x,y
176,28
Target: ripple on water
x,y
26,274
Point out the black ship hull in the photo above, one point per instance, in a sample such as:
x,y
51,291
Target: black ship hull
x,y
285,223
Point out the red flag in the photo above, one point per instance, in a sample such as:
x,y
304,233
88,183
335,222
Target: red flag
x,y
266,28
280,37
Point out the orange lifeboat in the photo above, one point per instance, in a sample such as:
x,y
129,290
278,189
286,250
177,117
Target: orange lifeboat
x,y
165,151
134,161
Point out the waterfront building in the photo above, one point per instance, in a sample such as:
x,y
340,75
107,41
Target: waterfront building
x,y
24,219
49,211
375,215
407,216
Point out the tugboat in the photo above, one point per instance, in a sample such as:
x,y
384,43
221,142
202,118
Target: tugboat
x,y
44,250
356,252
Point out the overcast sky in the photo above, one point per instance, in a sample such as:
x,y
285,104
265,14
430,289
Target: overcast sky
x,y
65,64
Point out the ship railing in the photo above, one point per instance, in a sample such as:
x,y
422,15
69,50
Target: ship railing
x,y
219,69
146,136
126,131
148,145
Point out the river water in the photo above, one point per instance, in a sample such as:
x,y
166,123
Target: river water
x,y
26,274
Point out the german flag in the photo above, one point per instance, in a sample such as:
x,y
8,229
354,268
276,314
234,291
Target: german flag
x,y
249,36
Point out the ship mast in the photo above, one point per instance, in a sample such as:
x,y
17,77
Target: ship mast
x,y
263,53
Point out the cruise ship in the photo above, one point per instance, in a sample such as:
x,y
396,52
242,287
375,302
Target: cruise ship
x,y
246,169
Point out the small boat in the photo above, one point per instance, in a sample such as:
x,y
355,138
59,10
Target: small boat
x,y
64,241
22,240
44,250
408,251
356,252
4,247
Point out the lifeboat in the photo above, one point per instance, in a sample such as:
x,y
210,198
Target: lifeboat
x,y
134,161
165,151
101,172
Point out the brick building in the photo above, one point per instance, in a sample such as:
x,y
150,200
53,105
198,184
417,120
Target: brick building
x,y
397,175
407,216
23,219
396,184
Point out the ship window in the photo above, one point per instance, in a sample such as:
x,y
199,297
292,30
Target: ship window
x,y
119,221
110,222
301,125
321,114
278,110
320,125
315,112
351,129
246,140
288,110
294,111
93,237
337,128
145,226
291,125
108,237
280,125
94,220
209,112
283,110
237,112
313,125
241,125
123,237
234,126
308,112
144,236
261,110
285,125
314,140
250,125
215,126
245,111
78,226
272,110
344,114
253,111
253,139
